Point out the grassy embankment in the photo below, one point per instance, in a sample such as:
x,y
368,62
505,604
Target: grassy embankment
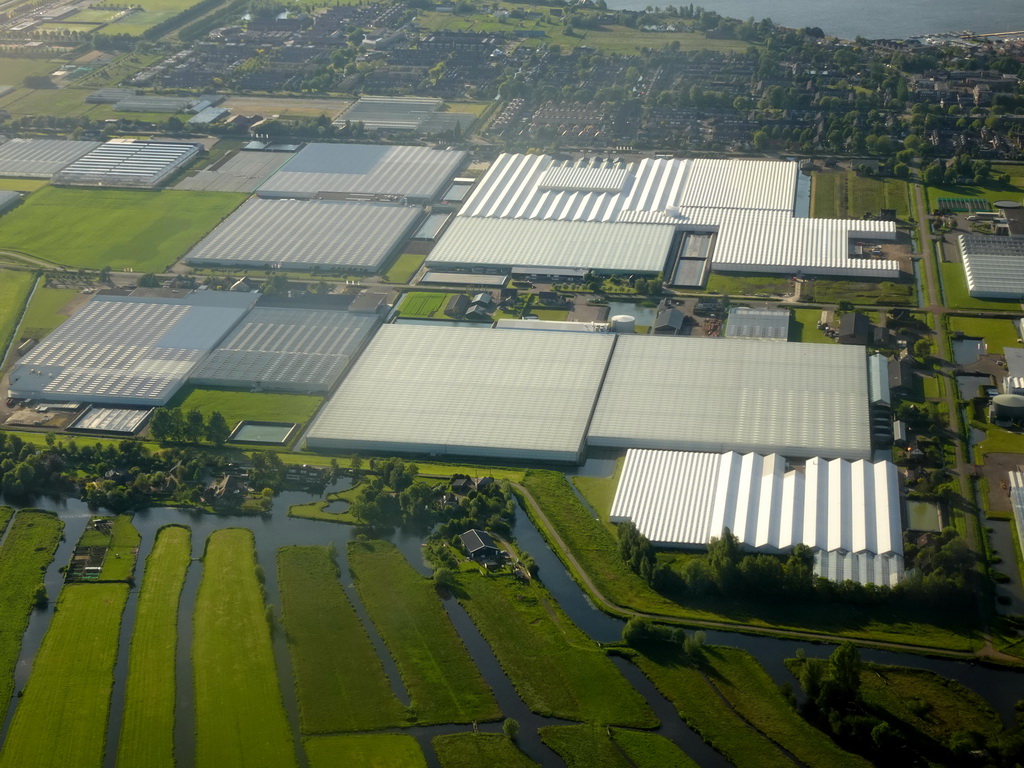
x,y
729,700
471,750
27,550
14,290
587,746
147,724
444,684
595,547
340,681
46,310
558,670
236,406
600,491
62,717
405,268
240,718
391,750
140,230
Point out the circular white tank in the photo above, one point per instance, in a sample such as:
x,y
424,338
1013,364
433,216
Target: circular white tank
x,y
623,324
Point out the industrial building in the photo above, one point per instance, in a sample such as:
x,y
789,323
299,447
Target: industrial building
x,y
288,349
40,158
545,205
365,172
521,395
118,421
404,113
128,163
994,266
128,350
303,234
835,507
691,394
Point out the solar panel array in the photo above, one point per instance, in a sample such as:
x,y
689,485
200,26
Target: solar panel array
x,y
128,164
301,234
40,158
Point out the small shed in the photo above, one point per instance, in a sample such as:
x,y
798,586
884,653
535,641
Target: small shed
x,y
669,322
484,298
479,545
457,305
854,328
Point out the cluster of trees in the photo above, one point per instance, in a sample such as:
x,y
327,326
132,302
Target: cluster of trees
x,y
175,425
26,470
636,551
639,632
962,169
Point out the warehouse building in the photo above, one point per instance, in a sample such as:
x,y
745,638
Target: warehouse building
x,y
752,323
127,163
307,234
365,172
40,158
994,266
128,350
847,512
747,205
690,394
285,349
521,395
404,113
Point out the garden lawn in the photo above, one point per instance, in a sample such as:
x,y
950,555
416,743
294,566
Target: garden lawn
x,y
805,327
147,723
62,717
236,406
140,230
404,268
14,289
444,684
339,679
119,563
996,332
586,746
756,698
472,750
557,670
27,549
391,750
240,718
45,311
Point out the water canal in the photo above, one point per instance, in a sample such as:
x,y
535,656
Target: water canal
x,y
1000,687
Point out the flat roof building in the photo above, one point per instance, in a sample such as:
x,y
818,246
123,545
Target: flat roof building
x,y
303,234
128,163
404,113
40,158
128,350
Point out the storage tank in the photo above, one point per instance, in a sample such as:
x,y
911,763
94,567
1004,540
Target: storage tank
x,y
623,324
1008,407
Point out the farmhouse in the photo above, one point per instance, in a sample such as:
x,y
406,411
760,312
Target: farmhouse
x,y
480,545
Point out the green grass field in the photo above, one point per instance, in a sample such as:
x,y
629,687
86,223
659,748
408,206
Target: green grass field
x,y
140,230
405,268
587,746
424,304
748,285
14,290
240,718
825,195
6,513
392,750
154,13
956,295
47,309
17,68
316,510
235,406
443,682
119,564
557,669
147,724
867,194
805,327
990,192
600,491
869,292
997,333
472,750
22,185
62,718
27,549
340,681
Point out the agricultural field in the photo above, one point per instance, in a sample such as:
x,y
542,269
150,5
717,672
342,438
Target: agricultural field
x,y
557,669
240,717
126,230
119,564
444,684
14,290
48,308
586,746
845,194
17,68
147,724
339,679
62,717
27,549
155,12
236,406
472,750
864,292
391,750
424,304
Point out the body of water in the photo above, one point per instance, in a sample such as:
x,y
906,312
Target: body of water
x,y
868,18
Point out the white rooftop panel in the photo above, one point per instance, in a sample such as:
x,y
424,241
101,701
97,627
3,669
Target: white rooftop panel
x,y
752,323
122,163
305,233
682,393
40,158
470,392
994,266
128,350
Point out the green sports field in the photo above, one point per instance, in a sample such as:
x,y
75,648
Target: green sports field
x,y
137,230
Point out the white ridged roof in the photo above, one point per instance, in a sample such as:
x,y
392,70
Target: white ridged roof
x,y
864,568
687,498
878,380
